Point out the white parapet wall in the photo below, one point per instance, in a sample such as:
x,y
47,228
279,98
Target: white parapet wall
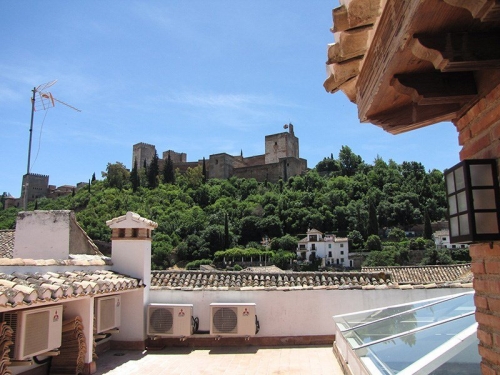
x,y
297,312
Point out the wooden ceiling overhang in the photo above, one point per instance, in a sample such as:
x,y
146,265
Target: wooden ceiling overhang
x,y
412,63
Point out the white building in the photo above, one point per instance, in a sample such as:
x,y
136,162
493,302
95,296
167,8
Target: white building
x,y
442,240
332,250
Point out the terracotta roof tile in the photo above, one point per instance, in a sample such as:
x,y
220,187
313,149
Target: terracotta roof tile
x,y
426,274
6,243
39,287
372,279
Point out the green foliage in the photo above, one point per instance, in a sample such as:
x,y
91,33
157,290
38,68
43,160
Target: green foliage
x,y
356,240
286,242
245,254
117,175
197,218
237,267
397,235
373,243
282,259
195,264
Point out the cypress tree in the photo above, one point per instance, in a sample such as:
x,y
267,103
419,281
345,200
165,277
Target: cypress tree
x,y
153,172
134,177
226,232
204,171
427,225
372,219
168,171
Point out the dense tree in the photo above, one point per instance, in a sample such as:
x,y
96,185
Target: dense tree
x,y
134,177
373,243
153,172
349,161
117,175
196,219
168,171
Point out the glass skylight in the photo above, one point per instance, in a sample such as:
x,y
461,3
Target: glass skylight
x,y
415,338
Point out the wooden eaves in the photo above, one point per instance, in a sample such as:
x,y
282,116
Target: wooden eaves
x,y
412,63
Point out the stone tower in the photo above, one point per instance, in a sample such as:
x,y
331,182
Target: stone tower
x,y
36,186
142,151
281,145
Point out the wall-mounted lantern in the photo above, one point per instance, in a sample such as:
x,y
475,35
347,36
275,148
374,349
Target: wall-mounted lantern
x,y
473,201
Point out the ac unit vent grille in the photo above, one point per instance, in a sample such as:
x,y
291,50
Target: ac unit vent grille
x,y
37,324
107,313
162,320
225,320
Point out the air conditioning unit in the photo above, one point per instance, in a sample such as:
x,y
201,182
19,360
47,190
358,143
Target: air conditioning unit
x,y
233,319
36,331
107,313
170,320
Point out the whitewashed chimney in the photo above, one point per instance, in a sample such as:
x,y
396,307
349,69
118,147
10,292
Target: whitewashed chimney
x,y
131,256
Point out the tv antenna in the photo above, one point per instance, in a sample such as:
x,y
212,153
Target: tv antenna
x,y
41,100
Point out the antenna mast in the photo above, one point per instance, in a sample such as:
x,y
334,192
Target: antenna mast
x,y
43,101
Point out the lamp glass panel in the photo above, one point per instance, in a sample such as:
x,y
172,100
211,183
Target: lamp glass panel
x,y
459,178
481,174
452,204
450,182
454,226
484,199
486,222
464,224
462,201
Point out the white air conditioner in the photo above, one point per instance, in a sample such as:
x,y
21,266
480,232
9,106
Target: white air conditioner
x,y
233,319
36,331
107,313
170,320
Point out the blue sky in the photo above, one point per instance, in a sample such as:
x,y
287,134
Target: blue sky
x,y
199,77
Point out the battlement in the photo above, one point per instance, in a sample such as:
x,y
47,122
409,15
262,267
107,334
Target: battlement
x,y
37,175
142,144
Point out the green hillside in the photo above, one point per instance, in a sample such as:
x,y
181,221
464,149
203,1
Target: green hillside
x,y
197,218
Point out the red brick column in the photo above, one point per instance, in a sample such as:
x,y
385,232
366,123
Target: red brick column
x,y
479,134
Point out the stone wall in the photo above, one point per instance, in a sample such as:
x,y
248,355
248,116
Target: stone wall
x,y
479,134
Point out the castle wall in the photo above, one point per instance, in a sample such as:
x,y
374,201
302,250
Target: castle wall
x,y
176,157
220,166
273,172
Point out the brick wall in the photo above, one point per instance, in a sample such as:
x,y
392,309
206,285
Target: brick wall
x,y
479,134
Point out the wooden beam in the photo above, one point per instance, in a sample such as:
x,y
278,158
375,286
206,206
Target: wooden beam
x,y
436,87
340,74
458,51
484,10
413,116
354,14
351,44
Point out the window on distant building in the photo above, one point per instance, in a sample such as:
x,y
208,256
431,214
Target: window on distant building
x,y
342,260
329,245
329,254
338,261
121,232
341,252
313,237
135,232
313,246
444,238
341,245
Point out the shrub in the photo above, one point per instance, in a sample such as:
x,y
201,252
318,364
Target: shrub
x,y
195,264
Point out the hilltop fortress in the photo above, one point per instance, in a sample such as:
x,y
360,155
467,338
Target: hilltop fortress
x,y
280,161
